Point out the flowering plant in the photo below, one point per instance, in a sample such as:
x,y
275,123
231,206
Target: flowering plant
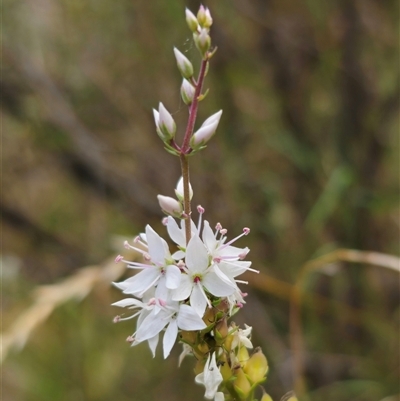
x,y
191,293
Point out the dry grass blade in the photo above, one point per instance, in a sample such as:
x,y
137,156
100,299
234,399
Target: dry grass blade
x,y
340,255
47,298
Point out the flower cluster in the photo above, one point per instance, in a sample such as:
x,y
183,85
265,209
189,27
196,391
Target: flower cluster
x,y
190,293
173,291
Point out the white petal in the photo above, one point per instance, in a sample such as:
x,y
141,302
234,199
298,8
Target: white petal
x,y
196,255
209,237
173,276
170,337
123,285
233,269
153,344
189,320
212,378
176,234
142,281
150,327
198,300
156,246
162,291
128,302
216,286
184,289
178,255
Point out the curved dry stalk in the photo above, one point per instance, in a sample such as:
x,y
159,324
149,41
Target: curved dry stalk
x,y
47,298
340,255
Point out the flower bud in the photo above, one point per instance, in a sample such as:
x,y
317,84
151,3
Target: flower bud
x,y
179,190
221,331
187,92
184,65
164,123
225,369
266,397
191,20
204,17
170,205
257,367
208,19
241,384
243,356
206,131
202,41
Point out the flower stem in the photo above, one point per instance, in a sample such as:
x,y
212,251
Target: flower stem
x,y
186,194
185,148
194,107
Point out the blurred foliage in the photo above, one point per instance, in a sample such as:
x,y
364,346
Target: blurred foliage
x,y
307,155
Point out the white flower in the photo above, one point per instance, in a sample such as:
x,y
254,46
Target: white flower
x,y
176,316
227,257
162,272
201,274
241,337
211,377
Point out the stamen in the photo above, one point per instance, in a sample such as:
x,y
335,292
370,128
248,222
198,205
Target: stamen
x,y
130,339
164,221
201,210
117,319
119,258
242,282
223,231
245,232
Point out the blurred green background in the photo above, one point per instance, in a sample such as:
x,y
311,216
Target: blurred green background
x,y
306,155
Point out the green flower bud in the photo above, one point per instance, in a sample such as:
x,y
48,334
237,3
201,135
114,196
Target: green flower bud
x,y
241,384
191,20
202,41
187,92
256,367
184,65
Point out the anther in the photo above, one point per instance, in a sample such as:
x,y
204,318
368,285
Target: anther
x,y
118,258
